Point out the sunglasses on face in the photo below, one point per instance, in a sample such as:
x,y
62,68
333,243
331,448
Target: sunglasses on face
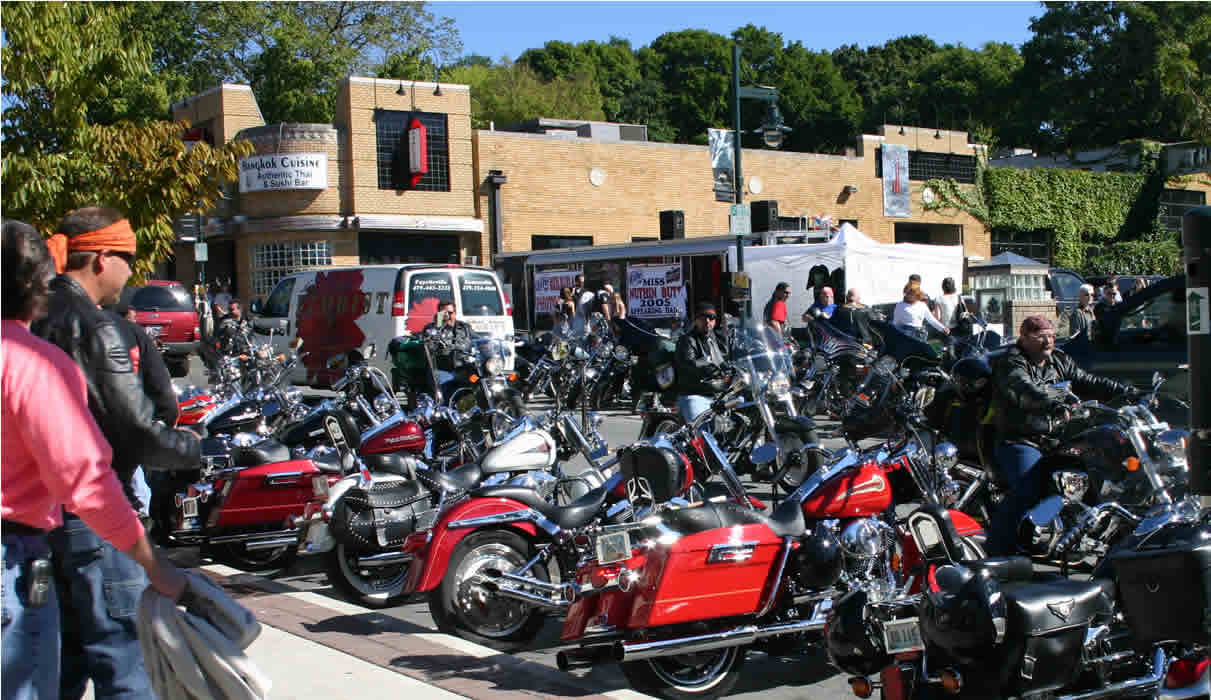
x,y
128,257
710,317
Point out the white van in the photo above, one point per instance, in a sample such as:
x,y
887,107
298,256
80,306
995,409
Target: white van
x,y
337,309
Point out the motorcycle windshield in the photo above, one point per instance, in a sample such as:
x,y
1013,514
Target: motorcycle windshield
x,y
764,355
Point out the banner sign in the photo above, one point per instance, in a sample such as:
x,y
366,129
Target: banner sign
x,y
284,171
655,291
896,190
723,169
547,286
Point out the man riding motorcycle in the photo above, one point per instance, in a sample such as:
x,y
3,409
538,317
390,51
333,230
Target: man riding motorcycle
x,y
450,343
232,335
1022,409
701,357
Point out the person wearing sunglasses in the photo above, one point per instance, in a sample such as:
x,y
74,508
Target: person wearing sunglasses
x,y
1022,411
701,362
99,587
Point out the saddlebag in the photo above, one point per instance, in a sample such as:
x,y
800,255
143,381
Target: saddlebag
x,y
658,470
1164,584
380,517
1045,631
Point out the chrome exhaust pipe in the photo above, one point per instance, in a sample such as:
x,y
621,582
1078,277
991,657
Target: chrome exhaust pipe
x,y
738,636
384,559
514,593
274,543
564,591
278,538
1151,682
583,657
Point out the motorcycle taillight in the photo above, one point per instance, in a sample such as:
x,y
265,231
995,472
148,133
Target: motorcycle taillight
x,y
1184,673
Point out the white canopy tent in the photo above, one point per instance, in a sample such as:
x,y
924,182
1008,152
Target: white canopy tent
x,y
878,270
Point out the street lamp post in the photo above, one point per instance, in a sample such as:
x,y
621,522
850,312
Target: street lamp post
x,y
772,131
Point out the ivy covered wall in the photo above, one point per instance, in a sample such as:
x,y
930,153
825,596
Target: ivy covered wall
x,y
1101,222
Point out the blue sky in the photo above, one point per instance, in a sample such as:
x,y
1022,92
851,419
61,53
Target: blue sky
x,y
497,29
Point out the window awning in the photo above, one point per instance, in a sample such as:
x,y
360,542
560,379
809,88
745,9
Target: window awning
x,y
715,245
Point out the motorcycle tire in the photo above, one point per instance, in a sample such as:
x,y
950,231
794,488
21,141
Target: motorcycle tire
x,y
788,443
604,397
710,674
377,588
467,610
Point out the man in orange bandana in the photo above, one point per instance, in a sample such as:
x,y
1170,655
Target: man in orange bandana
x,y
99,586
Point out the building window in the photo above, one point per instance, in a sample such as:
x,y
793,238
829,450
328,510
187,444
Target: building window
x,y
1174,204
549,242
273,261
1035,245
925,165
391,133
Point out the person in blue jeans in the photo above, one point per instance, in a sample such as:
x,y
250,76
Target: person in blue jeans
x,y
701,357
1022,410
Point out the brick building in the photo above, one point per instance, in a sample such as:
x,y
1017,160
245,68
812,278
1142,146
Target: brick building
x,y
490,191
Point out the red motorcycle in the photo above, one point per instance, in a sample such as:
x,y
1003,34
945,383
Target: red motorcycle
x,y
678,599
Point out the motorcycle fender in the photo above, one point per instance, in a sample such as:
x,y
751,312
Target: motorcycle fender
x,y
430,566
965,525
653,418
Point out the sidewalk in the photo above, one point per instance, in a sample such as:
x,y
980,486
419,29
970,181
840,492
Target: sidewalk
x,y
313,646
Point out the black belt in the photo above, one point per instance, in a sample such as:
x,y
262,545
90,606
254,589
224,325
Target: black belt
x,y
12,527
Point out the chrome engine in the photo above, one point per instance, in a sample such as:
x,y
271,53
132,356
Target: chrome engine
x,y
867,547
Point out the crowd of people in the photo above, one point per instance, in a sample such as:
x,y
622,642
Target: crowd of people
x,y
576,308
76,556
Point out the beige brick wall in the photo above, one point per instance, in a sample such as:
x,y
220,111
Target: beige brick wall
x,y
231,108
364,96
549,192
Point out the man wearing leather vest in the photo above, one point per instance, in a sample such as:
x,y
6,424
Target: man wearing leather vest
x,y
232,334
1022,411
100,587
701,357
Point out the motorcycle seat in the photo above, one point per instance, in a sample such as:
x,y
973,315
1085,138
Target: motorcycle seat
x,y
267,451
786,521
391,463
1006,569
461,478
577,514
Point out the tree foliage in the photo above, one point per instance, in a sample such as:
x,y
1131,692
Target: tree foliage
x,y
59,60
509,93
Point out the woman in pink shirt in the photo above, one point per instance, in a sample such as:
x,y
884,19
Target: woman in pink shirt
x,y
51,454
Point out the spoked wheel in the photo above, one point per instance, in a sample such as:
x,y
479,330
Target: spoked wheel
x,y
710,674
798,467
462,606
369,586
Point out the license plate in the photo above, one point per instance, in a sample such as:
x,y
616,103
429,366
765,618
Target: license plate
x,y
153,331
189,507
902,635
613,547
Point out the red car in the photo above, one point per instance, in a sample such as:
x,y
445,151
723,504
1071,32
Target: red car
x,y
165,310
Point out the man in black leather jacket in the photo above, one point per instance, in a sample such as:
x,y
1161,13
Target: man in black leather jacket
x,y
1022,411
701,356
94,251
450,342
232,334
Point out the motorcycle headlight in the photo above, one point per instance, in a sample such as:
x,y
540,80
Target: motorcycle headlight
x,y
383,405
264,352
887,363
492,366
1173,443
591,373
779,384
621,354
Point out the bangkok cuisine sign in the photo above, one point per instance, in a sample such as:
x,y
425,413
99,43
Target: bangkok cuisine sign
x,y
284,171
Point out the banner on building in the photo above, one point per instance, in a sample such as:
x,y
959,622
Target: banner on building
x,y
546,289
655,291
284,171
723,167
896,191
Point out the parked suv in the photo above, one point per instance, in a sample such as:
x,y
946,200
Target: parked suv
x,y
166,311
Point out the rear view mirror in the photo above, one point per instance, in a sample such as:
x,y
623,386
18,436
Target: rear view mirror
x,y
255,307
369,351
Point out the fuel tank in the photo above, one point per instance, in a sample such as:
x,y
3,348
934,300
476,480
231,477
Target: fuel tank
x,y
396,434
861,491
235,416
531,450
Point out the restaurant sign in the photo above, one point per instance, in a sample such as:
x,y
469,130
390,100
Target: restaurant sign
x,y
284,171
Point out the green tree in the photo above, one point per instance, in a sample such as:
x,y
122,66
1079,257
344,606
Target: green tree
x,y
1099,73
512,92
60,58
693,66
884,78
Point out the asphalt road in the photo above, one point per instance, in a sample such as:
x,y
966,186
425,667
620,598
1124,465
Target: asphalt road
x,y
807,676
